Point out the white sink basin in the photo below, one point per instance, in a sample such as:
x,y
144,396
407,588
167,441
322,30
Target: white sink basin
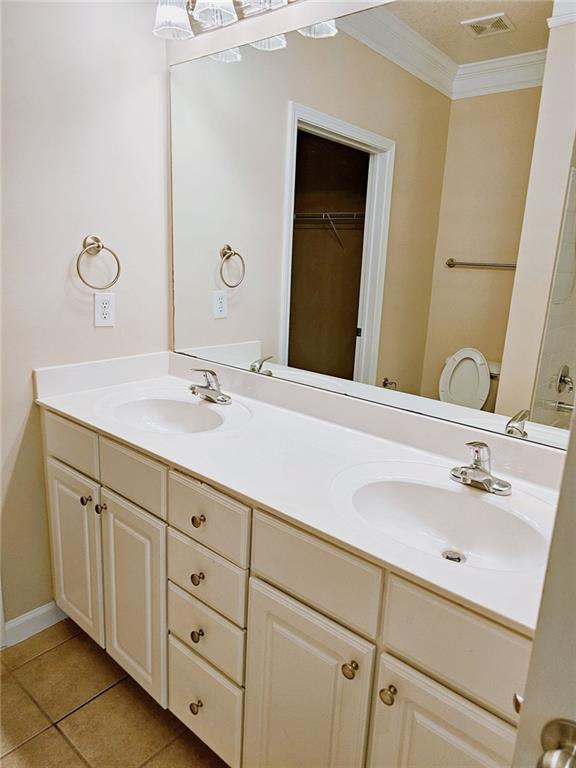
x,y
174,415
417,505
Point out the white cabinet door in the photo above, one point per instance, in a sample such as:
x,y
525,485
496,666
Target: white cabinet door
x,y
134,544
308,687
76,547
424,725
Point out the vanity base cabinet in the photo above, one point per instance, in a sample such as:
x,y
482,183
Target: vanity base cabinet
x,y
424,725
308,683
76,547
134,544
207,702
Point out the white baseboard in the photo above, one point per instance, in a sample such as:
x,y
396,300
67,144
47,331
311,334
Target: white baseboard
x,y
28,624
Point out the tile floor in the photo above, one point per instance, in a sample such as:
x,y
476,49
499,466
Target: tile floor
x,y
65,704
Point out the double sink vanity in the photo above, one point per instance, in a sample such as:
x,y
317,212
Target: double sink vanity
x,y
263,569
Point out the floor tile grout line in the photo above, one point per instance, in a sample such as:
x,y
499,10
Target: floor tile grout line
x,y
149,759
39,733
90,700
38,655
74,747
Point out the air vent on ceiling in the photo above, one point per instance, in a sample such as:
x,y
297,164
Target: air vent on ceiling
x,y
495,24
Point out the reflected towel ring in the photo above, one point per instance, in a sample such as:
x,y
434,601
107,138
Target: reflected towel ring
x,y
227,253
92,246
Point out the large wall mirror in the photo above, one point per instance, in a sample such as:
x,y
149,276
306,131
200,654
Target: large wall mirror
x,y
351,219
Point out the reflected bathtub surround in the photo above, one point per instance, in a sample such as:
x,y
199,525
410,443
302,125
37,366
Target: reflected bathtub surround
x,y
231,56
320,30
275,43
172,22
252,7
215,13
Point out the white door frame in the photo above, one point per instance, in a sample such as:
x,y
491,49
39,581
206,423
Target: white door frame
x,y
379,193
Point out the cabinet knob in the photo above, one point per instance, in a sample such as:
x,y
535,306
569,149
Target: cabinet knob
x,y
196,706
388,695
349,670
196,578
196,635
99,508
517,702
197,520
84,500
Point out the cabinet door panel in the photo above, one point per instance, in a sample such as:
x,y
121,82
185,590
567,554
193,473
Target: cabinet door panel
x,y
301,711
76,547
135,587
429,726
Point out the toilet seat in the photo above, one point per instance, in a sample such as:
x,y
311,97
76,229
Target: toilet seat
x,y
465,379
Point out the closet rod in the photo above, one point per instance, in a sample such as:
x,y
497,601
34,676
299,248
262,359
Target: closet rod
x,y
478,264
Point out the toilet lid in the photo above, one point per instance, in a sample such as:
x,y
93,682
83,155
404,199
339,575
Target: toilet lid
x,y
465,379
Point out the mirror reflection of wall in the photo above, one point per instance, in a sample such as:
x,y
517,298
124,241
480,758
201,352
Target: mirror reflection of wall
x,y
347,284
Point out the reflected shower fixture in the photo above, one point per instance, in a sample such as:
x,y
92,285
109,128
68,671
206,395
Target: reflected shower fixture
x,y
230,56
172,22
274,43
320,30
215,13
252,7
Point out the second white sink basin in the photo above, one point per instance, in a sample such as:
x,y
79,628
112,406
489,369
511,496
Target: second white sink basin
x,y
419,506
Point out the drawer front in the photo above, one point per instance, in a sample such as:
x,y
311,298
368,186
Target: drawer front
x,y
335,582
208,633
213,519
207,576
218,721
134,476
72,444
470,653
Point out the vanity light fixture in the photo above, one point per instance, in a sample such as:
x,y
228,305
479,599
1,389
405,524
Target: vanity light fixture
x,y
274,43
252,7
172,22
320,30
215,13
230,56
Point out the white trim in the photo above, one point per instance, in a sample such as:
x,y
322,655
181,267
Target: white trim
x,y
386,34
380,175
28,624
564,12
508,73
2,621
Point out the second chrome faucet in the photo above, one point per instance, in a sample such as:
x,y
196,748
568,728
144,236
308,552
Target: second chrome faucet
x,y
210,389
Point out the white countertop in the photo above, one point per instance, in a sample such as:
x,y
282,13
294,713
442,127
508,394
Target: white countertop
x,y
286,462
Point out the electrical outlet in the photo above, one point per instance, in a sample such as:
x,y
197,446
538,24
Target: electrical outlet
x,y
219,304
104,309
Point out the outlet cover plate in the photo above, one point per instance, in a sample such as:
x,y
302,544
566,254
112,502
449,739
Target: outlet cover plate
x,y
104,309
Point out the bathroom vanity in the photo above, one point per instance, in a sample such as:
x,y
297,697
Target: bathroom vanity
x,y
228,558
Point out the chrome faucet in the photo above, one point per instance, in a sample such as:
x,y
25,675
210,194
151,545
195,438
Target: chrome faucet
x,y
210,389
478,473
516,426
256,366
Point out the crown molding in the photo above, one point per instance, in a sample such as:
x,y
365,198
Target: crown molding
x,y
388,35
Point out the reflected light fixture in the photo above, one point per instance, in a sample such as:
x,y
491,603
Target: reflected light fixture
x,y
231,56
320,30
172,22
215,13
274,43
251,7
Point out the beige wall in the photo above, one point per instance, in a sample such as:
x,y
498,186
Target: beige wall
x,y
84,152
542,220
229,147
490,142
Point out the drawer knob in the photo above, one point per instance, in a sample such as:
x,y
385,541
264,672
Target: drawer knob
x,y
84,500
196,635
197,520
99,508
196,706
388,695
517,702
196,578
349,670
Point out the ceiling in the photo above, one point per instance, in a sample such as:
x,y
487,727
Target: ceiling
x,y
439,22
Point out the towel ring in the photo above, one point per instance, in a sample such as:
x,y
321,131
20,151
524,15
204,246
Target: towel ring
x,y
92,246
227,253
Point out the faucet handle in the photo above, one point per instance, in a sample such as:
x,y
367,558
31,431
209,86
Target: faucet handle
x,y
480,454
210,377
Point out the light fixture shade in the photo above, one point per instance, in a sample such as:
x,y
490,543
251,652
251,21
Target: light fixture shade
x,y
231,56
172,22
215,13
274,43
319,30
251,7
